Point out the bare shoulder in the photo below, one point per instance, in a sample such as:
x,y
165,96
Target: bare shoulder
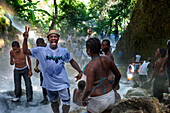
x,y
106,59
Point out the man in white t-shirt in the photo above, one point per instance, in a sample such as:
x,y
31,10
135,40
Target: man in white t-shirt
x,y
52,59
143,71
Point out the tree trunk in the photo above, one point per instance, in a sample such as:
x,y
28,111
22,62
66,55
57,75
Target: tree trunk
x,y
55,16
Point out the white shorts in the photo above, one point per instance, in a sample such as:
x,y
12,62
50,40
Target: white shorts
x,y
100,103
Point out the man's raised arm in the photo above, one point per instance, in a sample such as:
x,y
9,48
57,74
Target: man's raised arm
x,y
25,46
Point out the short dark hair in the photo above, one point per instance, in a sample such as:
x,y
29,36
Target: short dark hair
x,y
94,45
81,84
40,41
108,41
15,44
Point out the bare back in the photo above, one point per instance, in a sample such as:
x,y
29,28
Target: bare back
x,y
99,69
19,58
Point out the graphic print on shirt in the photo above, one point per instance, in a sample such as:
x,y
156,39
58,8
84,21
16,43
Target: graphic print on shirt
x,y
54,64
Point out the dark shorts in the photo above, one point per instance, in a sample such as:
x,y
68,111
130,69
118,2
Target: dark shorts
x,y
143,78
63,94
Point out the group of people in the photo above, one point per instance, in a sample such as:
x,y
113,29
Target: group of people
x,y
98,87
160,73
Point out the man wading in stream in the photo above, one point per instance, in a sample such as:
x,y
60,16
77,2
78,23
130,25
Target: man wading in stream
x,y
51,59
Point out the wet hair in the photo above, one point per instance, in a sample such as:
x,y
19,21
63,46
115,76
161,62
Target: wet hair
x,y
108,41
94,45
15,44
163,52
40,41
81,84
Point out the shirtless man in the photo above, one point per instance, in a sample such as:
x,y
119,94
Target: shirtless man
x,y
21,69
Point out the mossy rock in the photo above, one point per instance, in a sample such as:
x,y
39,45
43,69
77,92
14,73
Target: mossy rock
x,y
146,85
136,92
147,31
140,105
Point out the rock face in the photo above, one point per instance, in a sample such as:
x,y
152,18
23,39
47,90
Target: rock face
x,y
139,105
149,29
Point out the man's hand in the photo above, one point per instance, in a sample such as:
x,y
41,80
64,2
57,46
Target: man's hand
x,y
29,73
36,69
25,34
78,76
85,102
16,61
161,71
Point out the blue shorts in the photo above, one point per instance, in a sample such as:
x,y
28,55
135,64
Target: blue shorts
x,y
63,94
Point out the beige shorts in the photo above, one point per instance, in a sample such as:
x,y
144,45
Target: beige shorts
x,y
100,103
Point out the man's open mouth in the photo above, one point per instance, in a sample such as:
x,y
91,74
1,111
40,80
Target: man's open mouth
x,y
53,43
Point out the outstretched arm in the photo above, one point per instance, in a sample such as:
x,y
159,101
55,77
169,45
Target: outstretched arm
x,y
76,67
164,62
25,46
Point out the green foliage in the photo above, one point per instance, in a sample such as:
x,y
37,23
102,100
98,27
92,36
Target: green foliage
x,y
72,13
73,16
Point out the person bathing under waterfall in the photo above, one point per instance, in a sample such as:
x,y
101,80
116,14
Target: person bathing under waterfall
x,y
21,69
106,49
40,43
78,93
52,59
98,95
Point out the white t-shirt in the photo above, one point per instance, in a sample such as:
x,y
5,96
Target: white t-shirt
x,y
137,58
52,65
143,69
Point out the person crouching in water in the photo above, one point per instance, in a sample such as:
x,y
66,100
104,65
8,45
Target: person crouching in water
x,y
78,93
98,87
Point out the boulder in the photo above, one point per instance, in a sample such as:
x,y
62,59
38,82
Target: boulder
x,y
140,105
136,92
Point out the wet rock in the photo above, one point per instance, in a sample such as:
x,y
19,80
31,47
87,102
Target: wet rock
x,y
146,85
6,105
140,105
137,92
81,110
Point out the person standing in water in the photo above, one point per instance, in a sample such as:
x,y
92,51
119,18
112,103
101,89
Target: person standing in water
x,y
52,59
40,43
98,87
159,80
167,61
21,69
106,49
